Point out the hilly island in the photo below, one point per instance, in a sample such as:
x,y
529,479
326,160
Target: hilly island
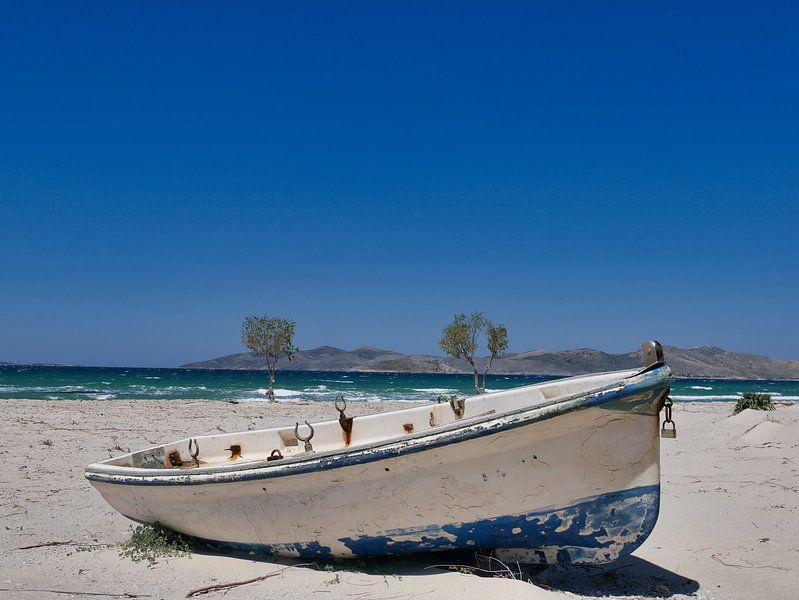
x,y
700,362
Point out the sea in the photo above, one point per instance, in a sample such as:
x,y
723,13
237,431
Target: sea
x,y
100,383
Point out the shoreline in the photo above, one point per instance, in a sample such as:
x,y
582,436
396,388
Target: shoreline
x,y
246,385
730,494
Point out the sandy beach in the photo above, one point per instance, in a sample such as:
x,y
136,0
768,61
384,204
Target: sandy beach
x,y
727,528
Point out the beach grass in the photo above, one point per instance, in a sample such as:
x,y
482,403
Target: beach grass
x,y
754,401
150,542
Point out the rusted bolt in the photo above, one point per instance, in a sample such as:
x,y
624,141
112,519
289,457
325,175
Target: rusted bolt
x,y
174,459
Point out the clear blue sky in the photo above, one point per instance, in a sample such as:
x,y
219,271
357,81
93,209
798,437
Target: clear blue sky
x,y
591,174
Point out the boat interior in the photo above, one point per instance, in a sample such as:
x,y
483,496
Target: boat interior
x,y
346,433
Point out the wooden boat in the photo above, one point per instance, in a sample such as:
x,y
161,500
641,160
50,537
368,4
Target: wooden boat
x,y
565,471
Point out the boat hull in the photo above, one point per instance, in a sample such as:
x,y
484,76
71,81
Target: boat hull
x,y
576,482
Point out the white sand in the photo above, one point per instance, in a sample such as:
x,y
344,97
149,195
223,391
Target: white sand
x,y
729,523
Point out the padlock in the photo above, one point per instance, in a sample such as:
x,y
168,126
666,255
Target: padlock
x,y
665,432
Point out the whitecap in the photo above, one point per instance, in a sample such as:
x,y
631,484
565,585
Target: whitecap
x,y
705,398
725,397
172,388
435,390
701,387
376,398
281,393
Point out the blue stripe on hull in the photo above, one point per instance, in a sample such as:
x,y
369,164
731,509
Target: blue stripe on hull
x,y
597,529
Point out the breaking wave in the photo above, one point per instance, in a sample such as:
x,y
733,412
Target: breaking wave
x,y
705,398
719,397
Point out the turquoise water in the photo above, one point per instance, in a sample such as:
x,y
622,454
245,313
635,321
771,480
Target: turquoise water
x,y
96,383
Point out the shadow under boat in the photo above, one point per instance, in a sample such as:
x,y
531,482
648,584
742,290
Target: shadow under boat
x,y
627,576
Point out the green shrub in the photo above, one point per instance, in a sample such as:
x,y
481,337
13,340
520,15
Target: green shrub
x,y
753,400
148,542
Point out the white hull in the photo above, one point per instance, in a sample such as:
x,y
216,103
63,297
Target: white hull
x,y
574,478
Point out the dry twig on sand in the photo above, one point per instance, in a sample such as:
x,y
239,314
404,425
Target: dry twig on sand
x,y
45,544
67,543
748,565
505,571
232,584
74,593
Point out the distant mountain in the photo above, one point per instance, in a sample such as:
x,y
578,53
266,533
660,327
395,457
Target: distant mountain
x,y
13,364
705,361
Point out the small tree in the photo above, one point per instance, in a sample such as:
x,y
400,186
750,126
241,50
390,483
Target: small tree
x,y
459,340
271,338
497,344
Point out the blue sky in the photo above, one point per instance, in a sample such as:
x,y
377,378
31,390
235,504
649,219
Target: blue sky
x,y
590,174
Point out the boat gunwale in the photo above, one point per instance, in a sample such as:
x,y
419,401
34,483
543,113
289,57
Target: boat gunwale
x,y
478,426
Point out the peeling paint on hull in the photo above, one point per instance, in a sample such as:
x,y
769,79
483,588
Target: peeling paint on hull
x,y
595,530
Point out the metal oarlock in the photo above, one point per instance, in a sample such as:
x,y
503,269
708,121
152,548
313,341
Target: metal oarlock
x,y
194,451
307,440
343,419
458,406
